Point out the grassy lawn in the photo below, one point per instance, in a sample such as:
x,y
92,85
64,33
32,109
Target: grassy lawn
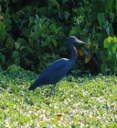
x,y
88,102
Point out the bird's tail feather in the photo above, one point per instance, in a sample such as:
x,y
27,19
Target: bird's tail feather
x,y
34,85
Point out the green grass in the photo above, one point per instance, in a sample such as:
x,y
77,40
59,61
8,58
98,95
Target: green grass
x,y
88,102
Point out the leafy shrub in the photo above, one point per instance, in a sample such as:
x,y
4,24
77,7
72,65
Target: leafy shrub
x,y
17,71
109,59
46,32
31,33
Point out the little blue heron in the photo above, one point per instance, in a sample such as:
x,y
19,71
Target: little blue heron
x,y
56,71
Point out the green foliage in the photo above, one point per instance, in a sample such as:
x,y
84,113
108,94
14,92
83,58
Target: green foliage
x,y
3,32
110,44
2,58
86,102
46,32
32,33
105,24
110,59
16,71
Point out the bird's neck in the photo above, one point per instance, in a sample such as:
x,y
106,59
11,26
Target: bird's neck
x,y
73,51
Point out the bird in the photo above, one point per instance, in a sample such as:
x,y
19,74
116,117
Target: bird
x,y
57,70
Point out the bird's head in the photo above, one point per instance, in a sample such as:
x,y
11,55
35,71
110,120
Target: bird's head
x,y
73,39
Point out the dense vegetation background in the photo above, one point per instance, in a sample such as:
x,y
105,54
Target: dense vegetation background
x,y
32,33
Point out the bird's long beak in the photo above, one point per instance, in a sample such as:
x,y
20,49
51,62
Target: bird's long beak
x,y
80,43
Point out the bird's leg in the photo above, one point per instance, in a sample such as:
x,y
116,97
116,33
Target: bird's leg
x,y
52,90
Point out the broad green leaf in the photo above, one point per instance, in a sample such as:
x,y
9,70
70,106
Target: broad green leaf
x,y
109,5
101,19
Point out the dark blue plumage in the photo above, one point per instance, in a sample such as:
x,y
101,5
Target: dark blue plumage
x,y
56,71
